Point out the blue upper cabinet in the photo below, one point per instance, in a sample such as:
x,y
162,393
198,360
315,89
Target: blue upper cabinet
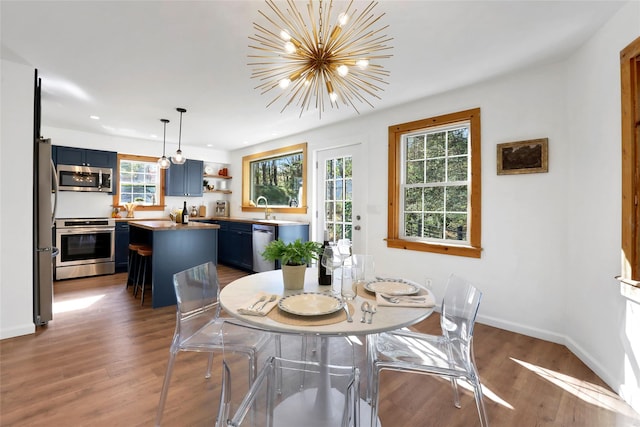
x,y
185,179
83,157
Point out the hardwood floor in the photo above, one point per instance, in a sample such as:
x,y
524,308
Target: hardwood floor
x,y
101,362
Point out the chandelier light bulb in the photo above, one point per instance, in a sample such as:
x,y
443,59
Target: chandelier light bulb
x,y
362,63
284,83
343,19
343,70
284,35
289,47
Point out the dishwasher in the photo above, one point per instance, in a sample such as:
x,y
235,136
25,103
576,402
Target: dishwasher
x,y
262,236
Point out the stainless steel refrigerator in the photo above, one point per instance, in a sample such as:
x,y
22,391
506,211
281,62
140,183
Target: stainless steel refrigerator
x,y
44,202
45,196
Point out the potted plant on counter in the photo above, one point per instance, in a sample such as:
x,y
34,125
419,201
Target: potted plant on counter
x,y
294,258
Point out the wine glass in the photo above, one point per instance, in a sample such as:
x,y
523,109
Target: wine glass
x,y
330,260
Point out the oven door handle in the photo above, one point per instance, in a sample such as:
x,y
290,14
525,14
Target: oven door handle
x,y
85,230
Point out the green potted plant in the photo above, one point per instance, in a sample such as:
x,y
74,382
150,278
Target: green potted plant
x,y
294,258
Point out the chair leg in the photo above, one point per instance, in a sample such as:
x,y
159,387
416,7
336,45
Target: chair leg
x,y
484,421
165,387
225,396
370,352
373,389
456,395
209,366
144,279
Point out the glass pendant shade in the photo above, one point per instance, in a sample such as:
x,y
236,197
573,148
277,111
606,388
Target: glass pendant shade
x,y
163,162
178,158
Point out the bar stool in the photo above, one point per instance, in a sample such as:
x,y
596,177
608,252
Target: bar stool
x,y
133,264
144,254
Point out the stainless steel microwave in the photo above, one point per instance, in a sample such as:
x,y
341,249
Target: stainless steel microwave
x,y
84,178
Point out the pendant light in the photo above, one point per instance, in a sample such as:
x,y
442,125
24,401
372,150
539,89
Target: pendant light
x,y
179,159
163,162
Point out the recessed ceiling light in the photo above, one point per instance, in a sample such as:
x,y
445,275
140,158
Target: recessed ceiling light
x,y
153,135
209,145
94,117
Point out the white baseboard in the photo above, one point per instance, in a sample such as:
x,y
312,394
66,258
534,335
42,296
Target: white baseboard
x,y
17,331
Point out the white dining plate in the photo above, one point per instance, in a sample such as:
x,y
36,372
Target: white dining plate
x,y
310,304
208,170
391,287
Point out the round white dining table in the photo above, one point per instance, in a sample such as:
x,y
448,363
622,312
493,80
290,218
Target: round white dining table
x,y
237,294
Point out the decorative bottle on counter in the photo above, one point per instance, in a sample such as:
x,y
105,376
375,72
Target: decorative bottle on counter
x,y
323,277
185,214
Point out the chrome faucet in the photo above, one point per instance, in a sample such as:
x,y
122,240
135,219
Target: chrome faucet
x,y
266,206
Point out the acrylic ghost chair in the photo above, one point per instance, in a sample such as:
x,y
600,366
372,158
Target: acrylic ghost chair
x,y
329,397
449,355
198,325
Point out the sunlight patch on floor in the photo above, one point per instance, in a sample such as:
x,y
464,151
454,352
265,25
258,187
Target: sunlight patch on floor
x,y
487,394
75,304
584,390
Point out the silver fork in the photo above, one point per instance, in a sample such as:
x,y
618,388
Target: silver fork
x,y
272,298
262,298
396,300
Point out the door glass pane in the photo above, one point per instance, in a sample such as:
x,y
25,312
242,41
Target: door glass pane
x,y
338,195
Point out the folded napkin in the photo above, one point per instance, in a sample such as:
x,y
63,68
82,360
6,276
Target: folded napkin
x,y
386,300
260,305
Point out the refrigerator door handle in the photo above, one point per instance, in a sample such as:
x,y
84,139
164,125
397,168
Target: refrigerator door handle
x,y
55,191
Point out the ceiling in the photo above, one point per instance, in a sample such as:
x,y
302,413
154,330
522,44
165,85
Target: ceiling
x,y
132,63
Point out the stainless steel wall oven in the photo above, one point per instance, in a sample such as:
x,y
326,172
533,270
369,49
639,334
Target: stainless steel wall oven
x,y
87,247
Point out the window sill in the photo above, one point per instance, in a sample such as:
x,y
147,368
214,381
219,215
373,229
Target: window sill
x,y
466,251
630,289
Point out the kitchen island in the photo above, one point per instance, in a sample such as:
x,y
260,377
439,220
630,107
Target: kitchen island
x,y
176,247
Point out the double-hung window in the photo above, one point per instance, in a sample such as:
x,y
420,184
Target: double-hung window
x,y
434,184
140,181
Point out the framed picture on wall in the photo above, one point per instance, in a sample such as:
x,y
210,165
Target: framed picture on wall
x,y
520,157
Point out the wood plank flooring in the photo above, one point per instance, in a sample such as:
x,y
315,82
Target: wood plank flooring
x,y
101,362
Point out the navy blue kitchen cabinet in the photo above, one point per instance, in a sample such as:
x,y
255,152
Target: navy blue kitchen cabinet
x,y
185,179
122,246
240,245
84,157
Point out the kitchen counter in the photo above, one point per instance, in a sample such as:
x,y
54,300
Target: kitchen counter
x,y
279,222
176,247
161,225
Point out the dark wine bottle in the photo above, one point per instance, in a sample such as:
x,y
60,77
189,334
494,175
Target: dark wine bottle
x,y
323,277
185,214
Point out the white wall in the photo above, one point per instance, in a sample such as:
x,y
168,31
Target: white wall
x,y
16,203
551,242
521,214
603,327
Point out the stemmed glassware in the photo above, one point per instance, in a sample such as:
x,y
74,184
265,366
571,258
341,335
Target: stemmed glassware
x,y
331,261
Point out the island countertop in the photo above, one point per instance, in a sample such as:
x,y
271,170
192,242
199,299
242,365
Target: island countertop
x,y
163,225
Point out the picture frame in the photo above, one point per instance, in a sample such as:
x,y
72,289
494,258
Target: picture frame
x,y
520,157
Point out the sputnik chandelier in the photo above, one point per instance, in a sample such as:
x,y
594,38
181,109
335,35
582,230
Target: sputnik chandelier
x,y
314,59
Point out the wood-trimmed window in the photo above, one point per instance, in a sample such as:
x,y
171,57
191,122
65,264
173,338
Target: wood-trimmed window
x,y
140,179
434,185
280,176
630,82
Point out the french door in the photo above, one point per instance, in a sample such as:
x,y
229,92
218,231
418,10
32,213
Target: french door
x,y
340,195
